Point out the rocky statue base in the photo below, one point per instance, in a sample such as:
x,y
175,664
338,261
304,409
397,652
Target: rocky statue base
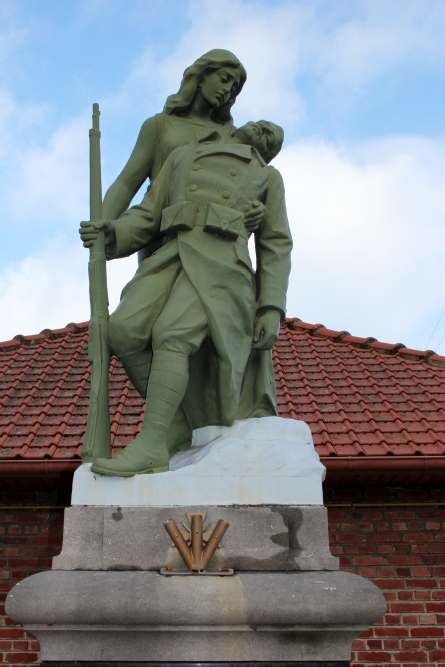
x,y
106,602
254,462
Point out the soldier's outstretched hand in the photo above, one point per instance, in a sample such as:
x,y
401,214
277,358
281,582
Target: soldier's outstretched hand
x,y
255,216
266,330
89,230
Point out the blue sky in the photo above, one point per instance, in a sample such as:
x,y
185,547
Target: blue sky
x,y
357,85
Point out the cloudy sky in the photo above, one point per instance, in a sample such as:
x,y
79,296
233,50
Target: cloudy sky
x,y
358,86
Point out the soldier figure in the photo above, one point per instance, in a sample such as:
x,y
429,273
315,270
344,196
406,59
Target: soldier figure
x,y
195,325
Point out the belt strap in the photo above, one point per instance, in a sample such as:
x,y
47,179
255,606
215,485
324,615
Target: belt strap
x,y
244,184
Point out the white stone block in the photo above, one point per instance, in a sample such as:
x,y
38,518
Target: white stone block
x,y
266,461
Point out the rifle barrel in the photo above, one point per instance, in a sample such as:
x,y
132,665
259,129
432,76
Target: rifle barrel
x,y
97,441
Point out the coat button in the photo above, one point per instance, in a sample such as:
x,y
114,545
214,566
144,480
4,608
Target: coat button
x,y
193,187
233,172
196,167
226,194
199,150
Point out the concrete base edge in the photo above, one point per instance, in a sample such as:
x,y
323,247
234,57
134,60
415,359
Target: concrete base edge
x,y
299,663
195,644
143,616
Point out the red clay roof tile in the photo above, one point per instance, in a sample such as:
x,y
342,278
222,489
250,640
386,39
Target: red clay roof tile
x,y
356,341
361,398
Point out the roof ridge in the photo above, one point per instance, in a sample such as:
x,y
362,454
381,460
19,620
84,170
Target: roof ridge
x,y
293,323
44,335
319,330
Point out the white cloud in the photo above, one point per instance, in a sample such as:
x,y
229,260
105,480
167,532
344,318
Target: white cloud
x,y
250,30
143,88
17,123
369,236
45,180
344,45
50,183
368,230
247,30
347,45
367,219
49,289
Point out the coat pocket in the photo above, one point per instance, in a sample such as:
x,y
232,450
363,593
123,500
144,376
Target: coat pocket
x,y
223,221
178,218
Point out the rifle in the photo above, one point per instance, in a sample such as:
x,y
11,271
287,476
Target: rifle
x,y
97,441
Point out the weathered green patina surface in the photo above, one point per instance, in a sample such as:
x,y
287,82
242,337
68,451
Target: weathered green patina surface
x,y
195,327
186,118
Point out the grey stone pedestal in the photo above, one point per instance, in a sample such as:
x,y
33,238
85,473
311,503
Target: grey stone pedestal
x,y
259,538
106,602
252,616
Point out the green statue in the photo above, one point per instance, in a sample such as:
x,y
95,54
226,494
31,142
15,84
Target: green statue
x,y
208,90
195,327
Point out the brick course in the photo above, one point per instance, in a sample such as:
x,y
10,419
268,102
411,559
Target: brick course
x,y
401,549
28,541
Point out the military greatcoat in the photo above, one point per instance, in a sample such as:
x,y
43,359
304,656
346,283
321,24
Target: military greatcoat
x,y
198,199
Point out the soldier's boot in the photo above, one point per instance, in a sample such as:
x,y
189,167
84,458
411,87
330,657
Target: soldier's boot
x,y
179,436
148,453
137,365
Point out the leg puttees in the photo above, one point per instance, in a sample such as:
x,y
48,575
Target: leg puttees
x,y
148,452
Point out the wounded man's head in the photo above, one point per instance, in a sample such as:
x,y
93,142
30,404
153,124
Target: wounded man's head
x,y
263,135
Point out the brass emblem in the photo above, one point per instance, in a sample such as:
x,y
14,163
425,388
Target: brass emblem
x,y
196,544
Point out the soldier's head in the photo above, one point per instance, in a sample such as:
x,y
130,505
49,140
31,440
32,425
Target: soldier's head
x,y
263,135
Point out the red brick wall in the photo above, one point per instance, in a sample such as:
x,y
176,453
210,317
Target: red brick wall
x,y
401,549
28,541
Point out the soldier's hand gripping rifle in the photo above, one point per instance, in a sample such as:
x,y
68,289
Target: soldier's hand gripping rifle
x,y
97,441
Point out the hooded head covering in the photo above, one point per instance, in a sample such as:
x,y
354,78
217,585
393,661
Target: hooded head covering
x,y
180,103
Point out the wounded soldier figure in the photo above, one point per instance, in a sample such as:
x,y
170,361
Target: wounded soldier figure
x,y
196,325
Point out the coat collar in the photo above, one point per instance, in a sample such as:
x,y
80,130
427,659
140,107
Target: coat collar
x,y
214,143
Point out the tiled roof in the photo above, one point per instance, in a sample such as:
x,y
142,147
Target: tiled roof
x,y
361,398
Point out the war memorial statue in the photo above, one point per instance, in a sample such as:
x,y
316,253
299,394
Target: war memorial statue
x,y
195,326
197,289
194,331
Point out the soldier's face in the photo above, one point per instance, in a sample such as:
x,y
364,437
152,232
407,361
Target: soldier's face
x,y
259,135
217,86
